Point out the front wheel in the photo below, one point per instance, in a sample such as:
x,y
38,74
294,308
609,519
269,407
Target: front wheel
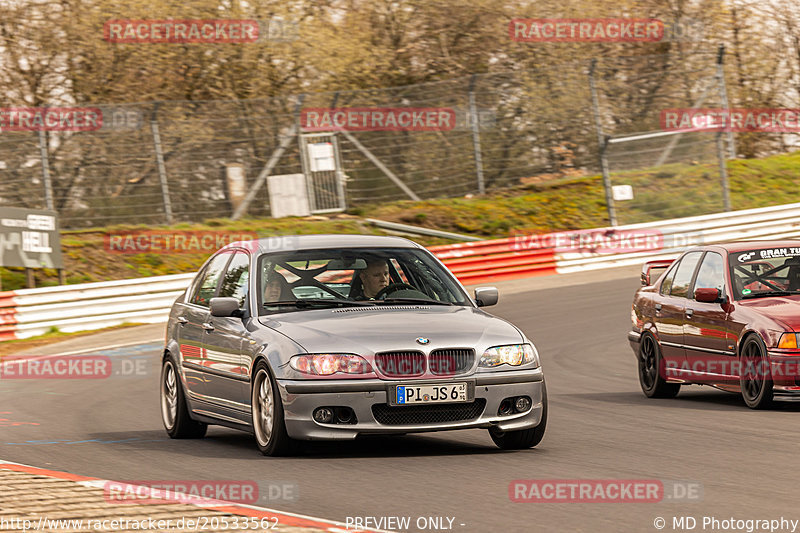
x,y
756,378
174,411
523,438
653,384
267,409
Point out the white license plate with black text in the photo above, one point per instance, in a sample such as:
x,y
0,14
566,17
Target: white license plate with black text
x,y
441,393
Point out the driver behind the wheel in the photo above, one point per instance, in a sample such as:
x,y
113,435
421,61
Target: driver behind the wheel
x,y
374,278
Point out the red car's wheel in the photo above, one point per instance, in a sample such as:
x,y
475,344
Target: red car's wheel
x,y
756,378
653,383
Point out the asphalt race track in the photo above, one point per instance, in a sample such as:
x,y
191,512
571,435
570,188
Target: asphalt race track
x,y
601,427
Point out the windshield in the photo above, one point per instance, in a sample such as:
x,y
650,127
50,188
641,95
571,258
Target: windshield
x,y
765,272
308,279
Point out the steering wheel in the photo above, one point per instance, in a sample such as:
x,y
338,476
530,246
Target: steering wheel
x,y
393,287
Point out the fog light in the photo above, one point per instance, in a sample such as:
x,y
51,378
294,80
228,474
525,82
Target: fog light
x,y
344,415
506,407
323,415
522,404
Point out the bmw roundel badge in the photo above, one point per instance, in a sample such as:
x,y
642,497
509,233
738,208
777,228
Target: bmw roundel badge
x,y
422,340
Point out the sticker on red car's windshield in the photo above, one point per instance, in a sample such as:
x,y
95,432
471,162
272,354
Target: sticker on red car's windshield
x,y
767,253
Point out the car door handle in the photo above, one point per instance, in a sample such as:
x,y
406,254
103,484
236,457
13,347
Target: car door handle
x,y
689,313
182,320
208,327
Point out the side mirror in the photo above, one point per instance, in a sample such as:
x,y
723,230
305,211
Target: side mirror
x,y
486,296
707,295
224,307
652,270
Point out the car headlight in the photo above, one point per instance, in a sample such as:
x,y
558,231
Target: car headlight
x,y
512,354
789,341
327,364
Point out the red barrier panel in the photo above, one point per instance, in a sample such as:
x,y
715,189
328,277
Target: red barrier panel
x,y
495,260
8,316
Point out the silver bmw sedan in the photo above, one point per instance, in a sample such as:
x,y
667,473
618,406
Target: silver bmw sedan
x,y
327,337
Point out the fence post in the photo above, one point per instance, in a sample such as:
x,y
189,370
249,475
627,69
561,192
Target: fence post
x,y
476,136
602,143
48,185
162,170
723,93
723,173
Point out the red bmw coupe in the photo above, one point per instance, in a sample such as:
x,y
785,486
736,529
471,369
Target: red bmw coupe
x,y
723,315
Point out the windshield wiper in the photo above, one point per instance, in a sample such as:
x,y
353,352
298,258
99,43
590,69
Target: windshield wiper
x,y
769,293
305,303
412,301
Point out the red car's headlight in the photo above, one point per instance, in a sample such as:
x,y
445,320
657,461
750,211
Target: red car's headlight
x,y
788,341
327,364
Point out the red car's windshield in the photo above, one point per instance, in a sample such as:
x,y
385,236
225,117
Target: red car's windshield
x,y
765,272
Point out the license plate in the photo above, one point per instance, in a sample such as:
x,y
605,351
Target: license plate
x,y
420,394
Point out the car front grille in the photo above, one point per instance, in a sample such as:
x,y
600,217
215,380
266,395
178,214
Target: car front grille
x,y
427,414
401,364
450,361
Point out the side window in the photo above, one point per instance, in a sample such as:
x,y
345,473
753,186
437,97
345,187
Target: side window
x,y
208,286
234,282
711,274
666,285
683,274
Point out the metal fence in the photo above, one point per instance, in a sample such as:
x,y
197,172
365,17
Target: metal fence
x,y
164,162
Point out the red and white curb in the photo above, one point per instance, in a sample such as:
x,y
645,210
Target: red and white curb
x,y
284,518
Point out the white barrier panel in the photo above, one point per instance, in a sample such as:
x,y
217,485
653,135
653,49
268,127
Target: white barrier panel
x,y
777,222
30,312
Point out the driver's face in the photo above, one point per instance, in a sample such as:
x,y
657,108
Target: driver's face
x,y
273,291
374,278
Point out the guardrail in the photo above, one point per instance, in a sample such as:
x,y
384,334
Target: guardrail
x,y
416,230
29,312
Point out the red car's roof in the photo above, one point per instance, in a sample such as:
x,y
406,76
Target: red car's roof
x,y
733,247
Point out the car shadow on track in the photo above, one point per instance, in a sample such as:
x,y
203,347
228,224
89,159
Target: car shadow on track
x,y
696,398
222,442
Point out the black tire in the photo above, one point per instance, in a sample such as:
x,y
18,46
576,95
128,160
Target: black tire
x,y
756,378
266,406
653,383
523,438
174,411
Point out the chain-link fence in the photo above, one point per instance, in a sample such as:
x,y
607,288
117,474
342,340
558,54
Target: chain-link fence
x,y
170,161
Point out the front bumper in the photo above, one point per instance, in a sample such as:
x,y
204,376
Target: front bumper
x,y
785,372
301,398
634,338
